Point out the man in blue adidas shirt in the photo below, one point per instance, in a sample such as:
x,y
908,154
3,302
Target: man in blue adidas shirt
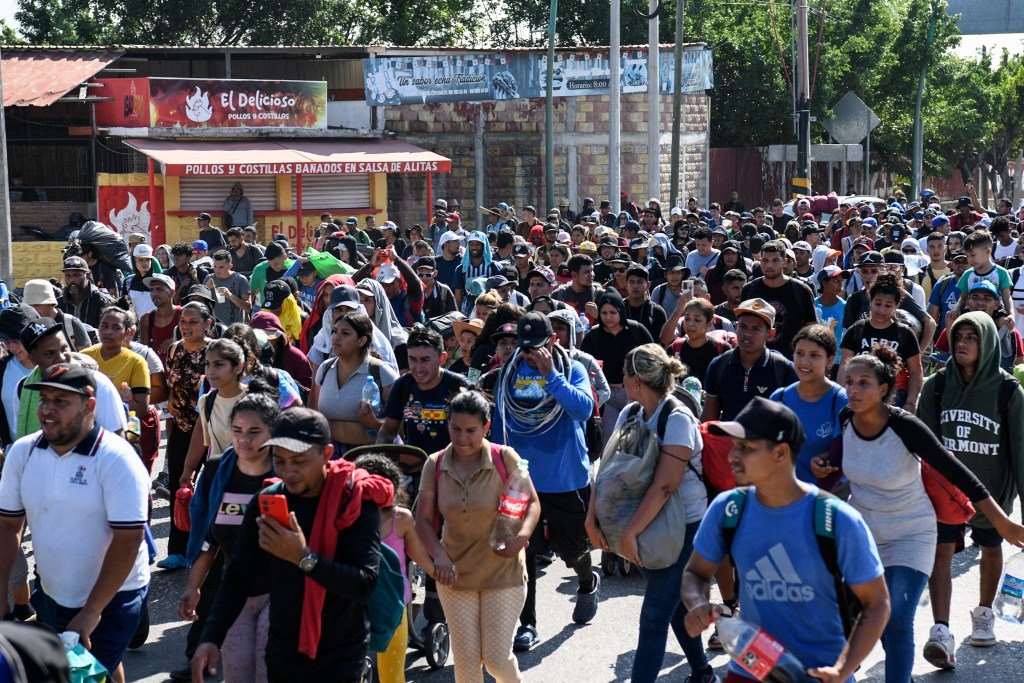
x,y
785,587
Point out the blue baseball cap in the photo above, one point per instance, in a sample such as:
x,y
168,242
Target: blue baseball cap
x,y
926,193
939,221
984,286
503,205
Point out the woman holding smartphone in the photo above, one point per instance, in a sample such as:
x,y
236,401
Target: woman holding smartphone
x,y
227,484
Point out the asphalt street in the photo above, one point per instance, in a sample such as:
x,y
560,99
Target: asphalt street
x,y
603,650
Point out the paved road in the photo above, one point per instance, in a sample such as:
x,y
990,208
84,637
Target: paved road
x,y
603,650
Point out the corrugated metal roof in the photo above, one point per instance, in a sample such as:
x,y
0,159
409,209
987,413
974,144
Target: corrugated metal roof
x,y
38,78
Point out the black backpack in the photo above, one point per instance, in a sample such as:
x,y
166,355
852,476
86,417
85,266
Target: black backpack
x,y
825,534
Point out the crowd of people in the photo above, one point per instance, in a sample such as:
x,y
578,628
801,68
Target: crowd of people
x,y
845,358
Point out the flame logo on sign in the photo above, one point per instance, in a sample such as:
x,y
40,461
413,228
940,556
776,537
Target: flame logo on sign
x,y
132,218
197,106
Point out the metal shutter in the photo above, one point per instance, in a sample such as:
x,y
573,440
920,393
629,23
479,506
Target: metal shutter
x,y
334,192
208,194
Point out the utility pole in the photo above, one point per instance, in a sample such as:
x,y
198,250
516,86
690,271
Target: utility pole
x,y
654,105
677,105
6,257
614,88
801,182
918,158
549,114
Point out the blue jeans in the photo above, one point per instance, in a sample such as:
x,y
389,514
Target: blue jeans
x,y
905,587
118,622
662,607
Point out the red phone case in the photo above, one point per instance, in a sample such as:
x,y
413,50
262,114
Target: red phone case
x,y
275,507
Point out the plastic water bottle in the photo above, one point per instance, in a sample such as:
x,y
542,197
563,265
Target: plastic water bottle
x,y
134,424
371,394
585,323
1009,604
758,654
515,500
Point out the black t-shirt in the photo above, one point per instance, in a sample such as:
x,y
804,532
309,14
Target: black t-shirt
x,y
612,348
780,222
245,263
577,300
424,414
650,315
227,522
794,308
861,336
698,359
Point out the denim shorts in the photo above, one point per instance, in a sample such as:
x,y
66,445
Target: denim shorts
x,y
117,624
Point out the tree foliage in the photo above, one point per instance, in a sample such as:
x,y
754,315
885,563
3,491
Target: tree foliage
x,y
249,22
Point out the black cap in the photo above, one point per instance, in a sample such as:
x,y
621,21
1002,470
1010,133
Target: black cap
x,y
870,258
632,225
505,331
732,244
274,294
521,250
15,319
764,419
639,270
204,217
306,268
67,377
964,201
344,295
38,329
299,429
201,291
425,262
75,263
607,241
619,257
495,281
533,330
676,262
893,256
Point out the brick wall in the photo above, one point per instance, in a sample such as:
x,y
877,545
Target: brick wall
x,y
49,216
511,135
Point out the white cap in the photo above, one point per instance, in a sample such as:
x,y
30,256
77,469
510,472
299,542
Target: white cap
x,y
387,273
802,245
143,251
447,237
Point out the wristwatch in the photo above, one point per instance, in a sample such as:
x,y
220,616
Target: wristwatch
x,y
308,563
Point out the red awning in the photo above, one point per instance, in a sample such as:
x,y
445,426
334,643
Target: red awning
x,y
38,78
302,157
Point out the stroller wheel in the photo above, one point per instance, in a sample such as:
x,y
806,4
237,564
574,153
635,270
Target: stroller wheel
x,y
608,562
438,646
625,567
368,676
417,625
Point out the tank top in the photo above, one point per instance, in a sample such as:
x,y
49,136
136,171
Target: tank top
x,y
396,543
158,335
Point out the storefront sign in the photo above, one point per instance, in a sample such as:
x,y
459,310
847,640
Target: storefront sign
x,y
489,77
311,168
196,103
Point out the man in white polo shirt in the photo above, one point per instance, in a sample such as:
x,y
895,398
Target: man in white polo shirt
x,y
84,493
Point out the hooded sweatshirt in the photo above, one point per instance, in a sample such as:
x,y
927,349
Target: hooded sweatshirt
x,y
612,348
597,379
970,423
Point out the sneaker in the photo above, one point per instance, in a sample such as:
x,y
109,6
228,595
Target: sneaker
x,y
182,674
983,627
940,650
706,676
526,639
173,562
586,603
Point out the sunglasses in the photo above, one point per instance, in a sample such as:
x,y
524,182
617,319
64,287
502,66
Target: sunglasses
x,y
425,276
620,270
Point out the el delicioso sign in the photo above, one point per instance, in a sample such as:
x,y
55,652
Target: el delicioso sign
x,y
212,103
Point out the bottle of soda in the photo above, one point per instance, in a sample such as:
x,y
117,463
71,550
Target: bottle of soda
x,y
758,654
371,394
512,508
1009,604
